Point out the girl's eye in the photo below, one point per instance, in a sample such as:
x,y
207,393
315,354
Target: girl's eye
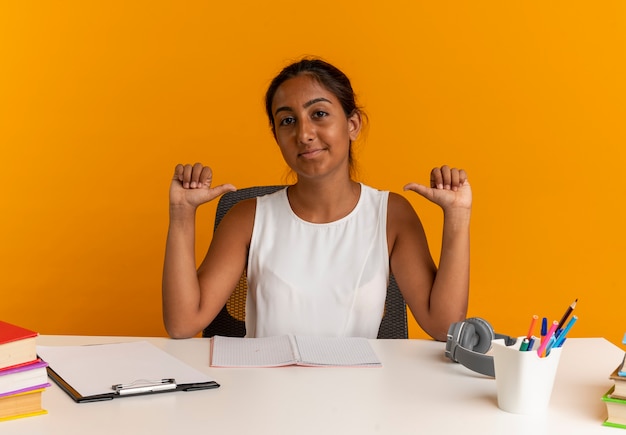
x,y
287,121
320,114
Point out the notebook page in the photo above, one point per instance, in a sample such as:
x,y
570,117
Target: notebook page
x,y
251,352
337,351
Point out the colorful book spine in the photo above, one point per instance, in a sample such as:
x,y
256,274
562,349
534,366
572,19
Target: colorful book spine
x,y
23,376
21,405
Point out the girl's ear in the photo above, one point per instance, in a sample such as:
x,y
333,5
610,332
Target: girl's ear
x,y
354,125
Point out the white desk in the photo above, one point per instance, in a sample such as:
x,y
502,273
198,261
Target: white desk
x,y
417,391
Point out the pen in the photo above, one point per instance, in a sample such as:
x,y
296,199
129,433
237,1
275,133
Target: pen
x,y
531,343
144,386
544,342
567,313
532,326
561,339
544,329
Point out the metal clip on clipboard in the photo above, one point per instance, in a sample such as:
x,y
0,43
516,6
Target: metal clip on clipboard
x,y
143,386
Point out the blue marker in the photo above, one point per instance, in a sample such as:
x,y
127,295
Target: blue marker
x,y
551,344
561,339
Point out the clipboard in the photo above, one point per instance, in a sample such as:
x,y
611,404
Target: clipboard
x,y
108,371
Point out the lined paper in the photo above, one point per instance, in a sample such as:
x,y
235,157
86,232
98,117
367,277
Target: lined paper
x,y
292,350
336,351
251,352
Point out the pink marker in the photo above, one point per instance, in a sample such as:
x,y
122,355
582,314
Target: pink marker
x,y
544,342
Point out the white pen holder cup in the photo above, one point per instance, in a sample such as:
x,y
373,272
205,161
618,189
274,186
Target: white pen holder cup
x,y
524,381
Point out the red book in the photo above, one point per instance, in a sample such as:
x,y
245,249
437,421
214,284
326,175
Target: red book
x,y
17,345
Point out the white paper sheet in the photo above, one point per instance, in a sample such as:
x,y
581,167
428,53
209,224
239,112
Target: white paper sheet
x,y
94,369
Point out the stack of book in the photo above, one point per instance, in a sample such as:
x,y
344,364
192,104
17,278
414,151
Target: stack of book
x,y
23,376
615,398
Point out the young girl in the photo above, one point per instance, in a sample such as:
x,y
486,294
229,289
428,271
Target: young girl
x,y
319,252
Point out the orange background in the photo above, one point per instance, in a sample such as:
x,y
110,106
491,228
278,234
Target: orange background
x,y
99,100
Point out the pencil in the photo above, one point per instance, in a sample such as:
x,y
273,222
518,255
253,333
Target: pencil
x,y
567,313
532,326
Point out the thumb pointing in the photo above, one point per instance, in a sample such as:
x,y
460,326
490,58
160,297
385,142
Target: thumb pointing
x,y
426,192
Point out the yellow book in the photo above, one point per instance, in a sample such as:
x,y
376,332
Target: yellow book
x,y
30,414
21,405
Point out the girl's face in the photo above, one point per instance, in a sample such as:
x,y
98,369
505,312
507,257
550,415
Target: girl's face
x,y
312,130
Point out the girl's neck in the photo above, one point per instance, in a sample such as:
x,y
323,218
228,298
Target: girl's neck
x,y
323,203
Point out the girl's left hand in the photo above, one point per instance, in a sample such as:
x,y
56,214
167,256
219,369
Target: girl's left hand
x,y
449,188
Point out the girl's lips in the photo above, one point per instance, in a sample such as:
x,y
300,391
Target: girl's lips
x,y
310,153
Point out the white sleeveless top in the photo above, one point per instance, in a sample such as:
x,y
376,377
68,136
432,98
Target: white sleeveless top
x,y
318,279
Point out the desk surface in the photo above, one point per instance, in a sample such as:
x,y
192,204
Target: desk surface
x,y
416,391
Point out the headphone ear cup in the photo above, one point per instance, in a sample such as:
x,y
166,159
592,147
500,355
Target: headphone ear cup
x,y
467,335
483,335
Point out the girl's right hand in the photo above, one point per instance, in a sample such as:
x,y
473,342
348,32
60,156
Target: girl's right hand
x,y
191,186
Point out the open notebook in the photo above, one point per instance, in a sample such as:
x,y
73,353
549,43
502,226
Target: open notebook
x,y
287,350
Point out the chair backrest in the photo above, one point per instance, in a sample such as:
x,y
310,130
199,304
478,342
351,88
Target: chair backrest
x,y
230,321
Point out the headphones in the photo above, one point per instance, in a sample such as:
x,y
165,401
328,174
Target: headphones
x,y
468,341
